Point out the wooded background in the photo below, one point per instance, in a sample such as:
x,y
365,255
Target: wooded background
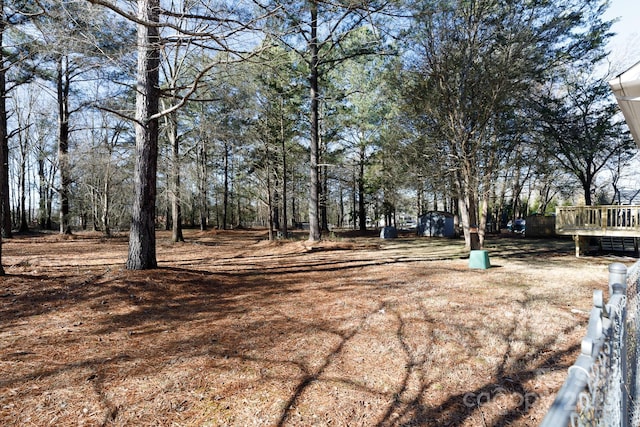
x,y
125,115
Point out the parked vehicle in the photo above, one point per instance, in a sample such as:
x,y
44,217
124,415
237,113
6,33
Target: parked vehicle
x,y
517,226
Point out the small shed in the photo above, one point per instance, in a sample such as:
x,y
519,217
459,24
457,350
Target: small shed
x,y
540,226
388,233
436,224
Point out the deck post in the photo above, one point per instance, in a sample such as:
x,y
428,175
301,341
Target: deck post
x,y
582,244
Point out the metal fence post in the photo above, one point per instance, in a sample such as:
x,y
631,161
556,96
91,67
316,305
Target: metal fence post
x,y
618,286
617,274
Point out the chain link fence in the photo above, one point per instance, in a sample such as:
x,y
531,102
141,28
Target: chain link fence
x,y
603,385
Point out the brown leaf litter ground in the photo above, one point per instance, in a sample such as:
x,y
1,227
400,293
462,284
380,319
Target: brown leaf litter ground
x,y
233,330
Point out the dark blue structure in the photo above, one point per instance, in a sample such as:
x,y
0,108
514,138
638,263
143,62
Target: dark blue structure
x,y
436,224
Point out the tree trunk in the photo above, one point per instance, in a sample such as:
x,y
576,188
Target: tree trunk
x,y
354,193
42,193
167,212
142,238
314,224
4,146
106,191
362,209
5,205
95,199
63,83
270,206
24,225
238,205
225,195
202,181
324,200
294,211
106,201
50,208
484,192
482,223
467,205
341,208
586,187
176,208
285,219
275,207
516,191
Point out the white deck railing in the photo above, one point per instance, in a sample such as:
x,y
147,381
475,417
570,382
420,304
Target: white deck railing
x,y
609,220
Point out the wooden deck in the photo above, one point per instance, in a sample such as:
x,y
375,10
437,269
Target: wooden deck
x,y
611,221
616,221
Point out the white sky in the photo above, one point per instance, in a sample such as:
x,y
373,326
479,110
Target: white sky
x,y
625,52
625,46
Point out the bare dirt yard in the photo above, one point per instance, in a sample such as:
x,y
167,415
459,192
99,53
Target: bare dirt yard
x,y
233,330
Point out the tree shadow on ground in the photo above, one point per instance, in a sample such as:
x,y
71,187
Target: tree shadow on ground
x,y
331,337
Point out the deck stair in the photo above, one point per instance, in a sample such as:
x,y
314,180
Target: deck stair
x,y
619,244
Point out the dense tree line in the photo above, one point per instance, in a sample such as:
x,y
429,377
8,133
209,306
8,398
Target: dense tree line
x,y
131,116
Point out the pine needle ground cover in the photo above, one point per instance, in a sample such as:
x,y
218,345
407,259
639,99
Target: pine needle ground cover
x,y
234,330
